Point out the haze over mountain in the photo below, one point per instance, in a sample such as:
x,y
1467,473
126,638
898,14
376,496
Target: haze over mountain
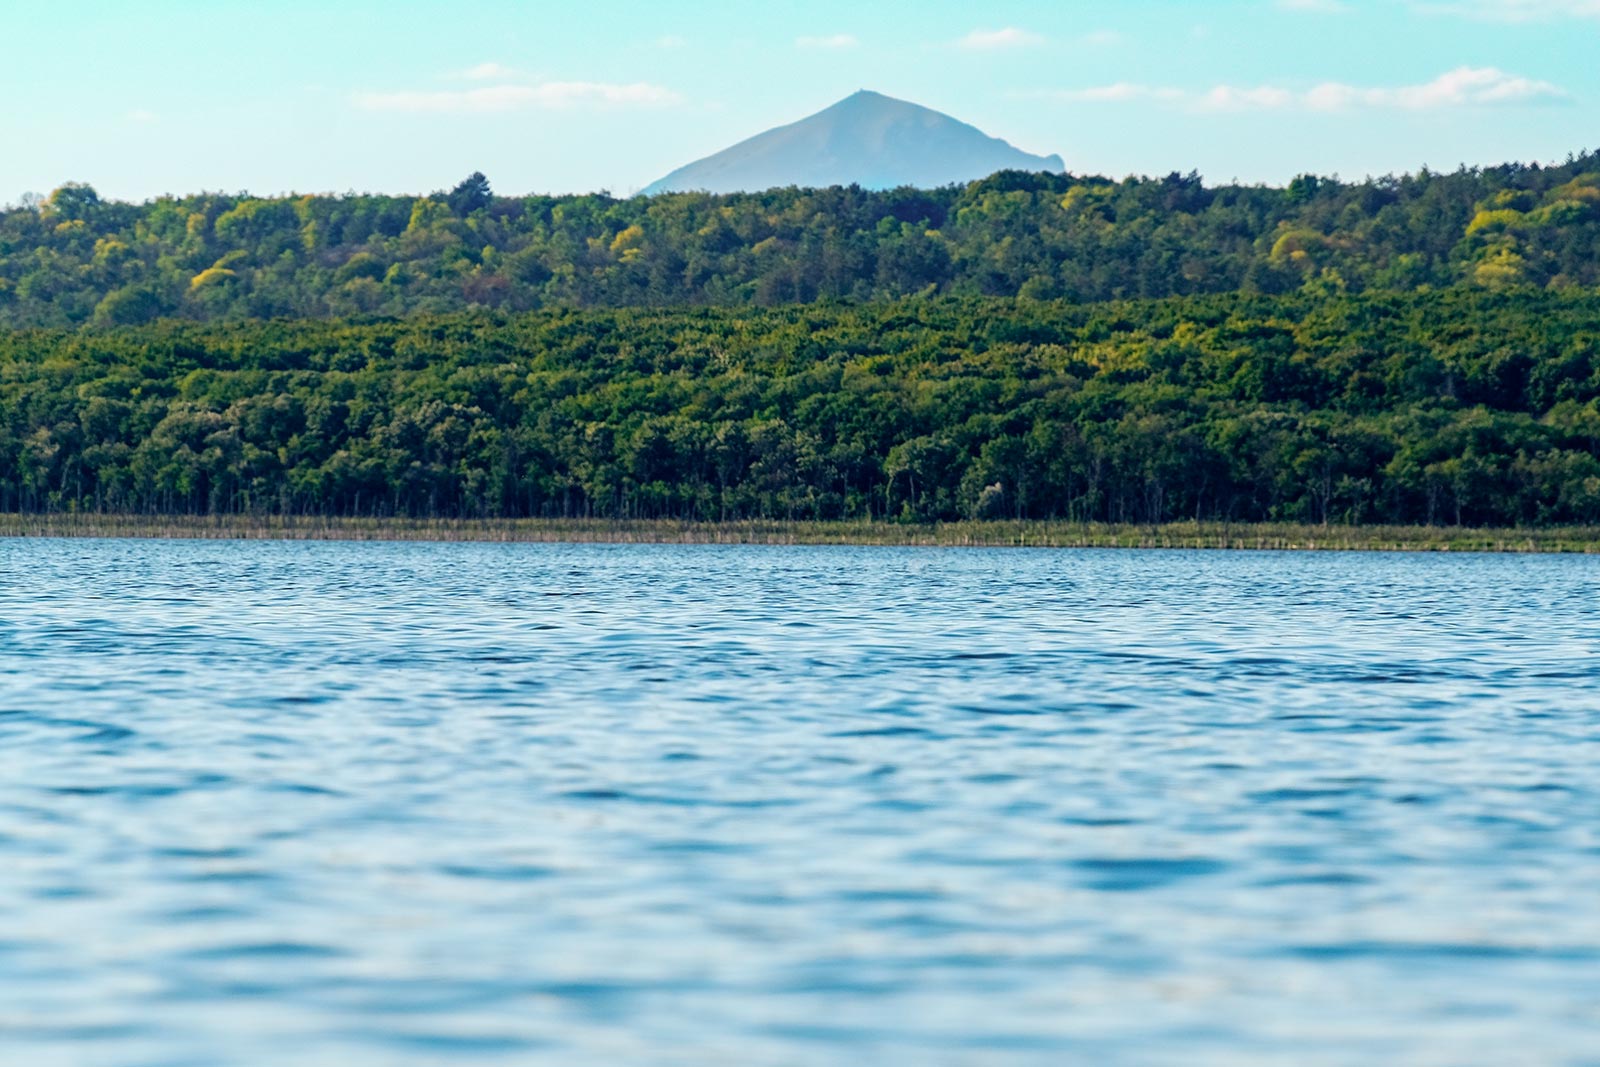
x,y
867,139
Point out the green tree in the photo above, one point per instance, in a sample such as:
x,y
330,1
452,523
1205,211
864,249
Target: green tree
x,y
471,194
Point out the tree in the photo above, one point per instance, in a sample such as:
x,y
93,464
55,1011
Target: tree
x,y
1042,237
472,194
74,200
129,306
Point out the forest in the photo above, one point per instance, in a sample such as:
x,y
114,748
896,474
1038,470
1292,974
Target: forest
x,y
1476,404
73,258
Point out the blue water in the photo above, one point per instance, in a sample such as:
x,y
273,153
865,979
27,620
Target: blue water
x,y
354,805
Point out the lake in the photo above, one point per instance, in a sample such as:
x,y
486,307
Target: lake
x,y
419,804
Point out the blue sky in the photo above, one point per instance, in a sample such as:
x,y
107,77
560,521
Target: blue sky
x,y
410,95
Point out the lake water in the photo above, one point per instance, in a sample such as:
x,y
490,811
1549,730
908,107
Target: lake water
x,y
405,804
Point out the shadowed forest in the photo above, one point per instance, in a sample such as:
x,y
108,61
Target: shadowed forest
x,y
1466,406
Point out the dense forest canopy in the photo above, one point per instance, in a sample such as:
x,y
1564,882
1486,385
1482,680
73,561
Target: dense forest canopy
x,y
75,258
1467,405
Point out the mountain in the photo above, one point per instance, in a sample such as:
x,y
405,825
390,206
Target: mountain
x,y
868,139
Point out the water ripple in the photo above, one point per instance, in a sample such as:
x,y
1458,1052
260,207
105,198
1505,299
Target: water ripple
x,y
416,804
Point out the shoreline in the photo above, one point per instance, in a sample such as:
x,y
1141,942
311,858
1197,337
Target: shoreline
x,y
992,534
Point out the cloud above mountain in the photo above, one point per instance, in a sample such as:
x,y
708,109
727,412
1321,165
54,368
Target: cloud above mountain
x,y
999,40
551,95
1513,10
1461,87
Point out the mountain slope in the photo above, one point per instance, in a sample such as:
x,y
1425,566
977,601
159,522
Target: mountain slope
x,y
868,139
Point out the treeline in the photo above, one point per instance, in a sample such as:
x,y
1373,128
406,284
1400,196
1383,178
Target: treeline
x,y
1453,407
75,258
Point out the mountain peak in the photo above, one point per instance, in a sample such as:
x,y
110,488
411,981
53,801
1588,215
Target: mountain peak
x,y
861,96
867,139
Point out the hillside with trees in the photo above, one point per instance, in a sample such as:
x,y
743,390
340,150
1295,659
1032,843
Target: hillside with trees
x,y
1461,406
74,258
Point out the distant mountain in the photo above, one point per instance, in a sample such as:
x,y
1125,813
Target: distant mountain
x,y
868,139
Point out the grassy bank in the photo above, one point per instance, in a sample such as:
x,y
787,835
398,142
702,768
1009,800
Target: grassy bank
x,y
958,534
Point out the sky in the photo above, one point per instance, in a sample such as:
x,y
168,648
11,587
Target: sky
x,y
409,96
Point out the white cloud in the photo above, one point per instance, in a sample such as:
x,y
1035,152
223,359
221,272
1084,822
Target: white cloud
x,y
487,72
1514,10
671,40
837,40
1244,98
141,116
1462,87
1117,93
1316,7
993,40
1102,38
549,96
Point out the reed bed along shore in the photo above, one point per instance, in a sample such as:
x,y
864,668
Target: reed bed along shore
x,y
1193,535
